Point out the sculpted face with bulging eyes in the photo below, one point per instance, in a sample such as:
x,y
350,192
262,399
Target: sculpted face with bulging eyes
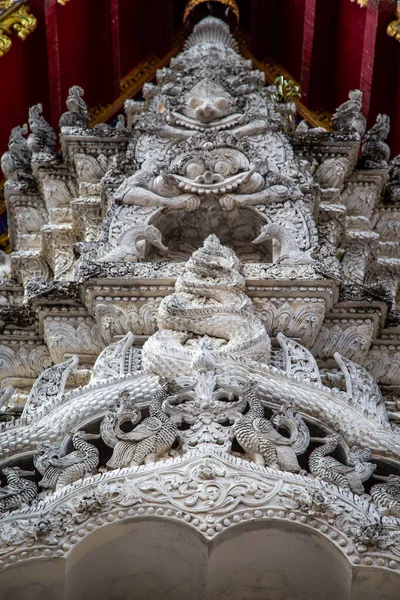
x,y
215,171
224,174
207,105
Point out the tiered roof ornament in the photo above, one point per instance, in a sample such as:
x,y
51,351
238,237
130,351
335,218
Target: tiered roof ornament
x,y
200,308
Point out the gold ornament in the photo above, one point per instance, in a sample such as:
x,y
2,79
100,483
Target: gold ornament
x,y
6,4
362,3
62,2
194,3
20,20
393,28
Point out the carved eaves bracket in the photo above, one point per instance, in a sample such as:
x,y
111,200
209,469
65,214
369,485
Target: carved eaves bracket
x,y
15,16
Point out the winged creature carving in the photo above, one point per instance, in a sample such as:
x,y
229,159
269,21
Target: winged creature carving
x,y
59,469
387,495
18,491
148,440
349,477
260,438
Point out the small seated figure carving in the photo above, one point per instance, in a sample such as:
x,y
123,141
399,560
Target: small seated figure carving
x,y
348,118
290,253
16,163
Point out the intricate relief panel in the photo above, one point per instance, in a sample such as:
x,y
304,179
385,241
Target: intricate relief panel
x,y
116,318
383,362
22,362
352,338
388,224
68,335
298,318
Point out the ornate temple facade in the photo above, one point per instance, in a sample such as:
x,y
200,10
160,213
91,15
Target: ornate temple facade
x,y
199,346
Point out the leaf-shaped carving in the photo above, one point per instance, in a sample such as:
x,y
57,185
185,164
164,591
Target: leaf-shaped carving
x,y
302,322
111,362
24,362
88,168
353,341
47,390
56,193
64,339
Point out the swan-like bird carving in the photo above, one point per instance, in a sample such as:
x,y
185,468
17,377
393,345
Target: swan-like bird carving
x,y
151,438
290,253
259,438
126,248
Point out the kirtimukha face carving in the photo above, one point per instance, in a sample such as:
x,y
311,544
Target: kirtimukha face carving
x,y
208,106
213,171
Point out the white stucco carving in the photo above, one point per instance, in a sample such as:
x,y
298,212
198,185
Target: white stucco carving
x,y
200,323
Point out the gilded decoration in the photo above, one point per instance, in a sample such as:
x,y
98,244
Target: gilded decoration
x,y
15,18
132,83
194,3
362,3
394,27
6,4
273,72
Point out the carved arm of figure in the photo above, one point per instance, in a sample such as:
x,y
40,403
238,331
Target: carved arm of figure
x,y
256,127
274,188
146,189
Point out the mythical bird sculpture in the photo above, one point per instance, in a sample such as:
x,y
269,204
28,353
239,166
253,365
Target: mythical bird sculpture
x,y
151,438
77,114
126,248
16,163
349,477
375,151
18,491
348,118
387,495
259,438
59,469
42,139
290,252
